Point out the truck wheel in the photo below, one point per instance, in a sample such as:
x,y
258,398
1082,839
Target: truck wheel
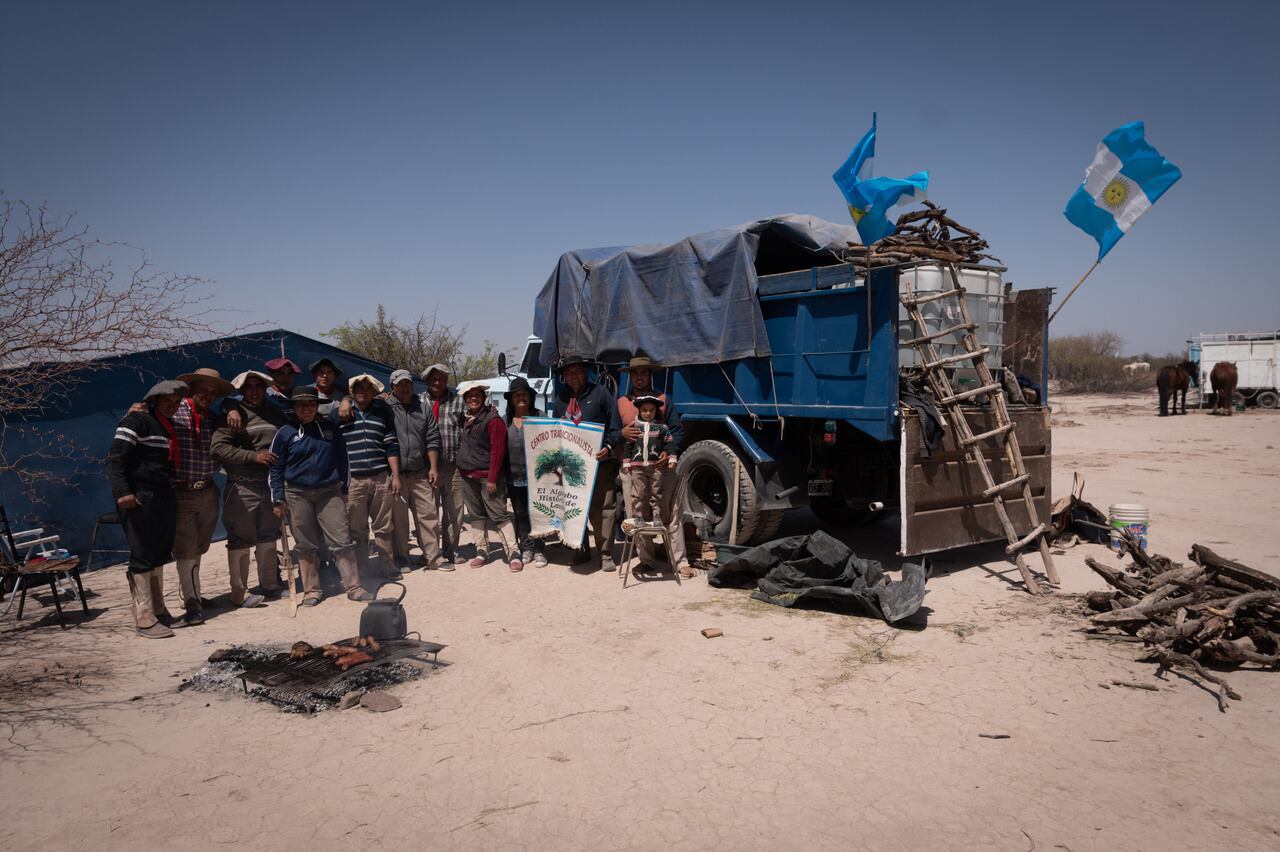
x,y
767,526
1267,399
707,471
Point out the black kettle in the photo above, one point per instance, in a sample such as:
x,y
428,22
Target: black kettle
x,y
384,618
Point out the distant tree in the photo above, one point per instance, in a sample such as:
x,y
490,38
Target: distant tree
x,y
416,346
1092,363
62,306
563,464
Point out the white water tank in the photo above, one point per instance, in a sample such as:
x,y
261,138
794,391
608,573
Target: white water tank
x,y
984,297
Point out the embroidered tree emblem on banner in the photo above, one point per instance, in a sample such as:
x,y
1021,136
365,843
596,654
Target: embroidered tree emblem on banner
x,y
563,465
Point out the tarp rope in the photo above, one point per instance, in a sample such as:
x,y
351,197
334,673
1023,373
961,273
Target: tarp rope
x,y
755,421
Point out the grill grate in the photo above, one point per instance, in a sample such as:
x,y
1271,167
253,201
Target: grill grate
x,y
305,683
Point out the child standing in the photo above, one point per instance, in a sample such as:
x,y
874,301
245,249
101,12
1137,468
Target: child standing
x,y
647,458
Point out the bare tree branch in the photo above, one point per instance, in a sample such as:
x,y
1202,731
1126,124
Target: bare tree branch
x,y
62,306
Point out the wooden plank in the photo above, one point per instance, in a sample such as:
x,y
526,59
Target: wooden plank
x,y
939,494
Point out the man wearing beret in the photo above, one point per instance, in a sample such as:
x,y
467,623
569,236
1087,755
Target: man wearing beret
x,y
140,467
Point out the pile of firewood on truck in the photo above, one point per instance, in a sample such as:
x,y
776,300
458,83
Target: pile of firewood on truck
x,y
1213,613
923,235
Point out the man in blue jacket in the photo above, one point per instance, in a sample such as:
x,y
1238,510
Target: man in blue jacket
x,y
580,400
306,485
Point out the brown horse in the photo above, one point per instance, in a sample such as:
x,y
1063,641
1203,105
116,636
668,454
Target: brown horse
x,y
1175,378
1223,380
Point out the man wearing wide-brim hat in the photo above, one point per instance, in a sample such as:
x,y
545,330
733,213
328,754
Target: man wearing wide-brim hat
x,y
671,501
326,374
195,491
245,454
140,467
579,399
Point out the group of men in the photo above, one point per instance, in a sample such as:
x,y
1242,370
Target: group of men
x,y
396,461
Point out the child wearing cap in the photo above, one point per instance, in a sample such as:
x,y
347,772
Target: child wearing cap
x,y
645,458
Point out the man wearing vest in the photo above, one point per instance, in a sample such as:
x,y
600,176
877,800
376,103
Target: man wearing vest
x,y
579,400
641,370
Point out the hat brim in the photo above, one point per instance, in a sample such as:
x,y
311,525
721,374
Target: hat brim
x,y
224,387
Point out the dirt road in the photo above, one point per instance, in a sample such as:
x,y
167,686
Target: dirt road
x,y
577,715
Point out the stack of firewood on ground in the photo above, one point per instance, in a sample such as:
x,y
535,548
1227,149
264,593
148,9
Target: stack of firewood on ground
x,y
927,234
1213,613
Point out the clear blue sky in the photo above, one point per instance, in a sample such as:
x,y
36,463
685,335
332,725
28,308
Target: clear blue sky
x,y
315,159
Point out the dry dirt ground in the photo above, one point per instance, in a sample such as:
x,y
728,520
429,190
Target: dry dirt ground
x,y
578,715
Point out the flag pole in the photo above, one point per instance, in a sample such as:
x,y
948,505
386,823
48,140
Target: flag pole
x,y
1074,289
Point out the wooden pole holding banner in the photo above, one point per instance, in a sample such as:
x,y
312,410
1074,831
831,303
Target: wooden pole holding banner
x,y
1073,290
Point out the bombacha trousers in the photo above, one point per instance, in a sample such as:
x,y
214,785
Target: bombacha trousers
x,y
489,513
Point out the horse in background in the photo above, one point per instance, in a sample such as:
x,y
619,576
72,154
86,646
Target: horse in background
x,y
1172,379
1223,379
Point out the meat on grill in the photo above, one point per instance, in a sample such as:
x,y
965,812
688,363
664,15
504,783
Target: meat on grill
x,y
346,661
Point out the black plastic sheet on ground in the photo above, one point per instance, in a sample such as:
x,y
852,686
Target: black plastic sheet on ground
x,y
817,570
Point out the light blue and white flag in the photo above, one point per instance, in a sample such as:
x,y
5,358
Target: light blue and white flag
x,y
870,199
1126,177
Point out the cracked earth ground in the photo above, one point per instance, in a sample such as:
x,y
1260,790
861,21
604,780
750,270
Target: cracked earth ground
x,y
578,715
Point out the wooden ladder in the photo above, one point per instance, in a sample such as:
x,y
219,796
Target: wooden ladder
x,y
950,402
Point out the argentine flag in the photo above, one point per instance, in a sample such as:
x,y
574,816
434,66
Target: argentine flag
x,y
870,199
1126,177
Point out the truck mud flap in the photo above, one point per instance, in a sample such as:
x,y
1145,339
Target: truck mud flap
x,y
941,499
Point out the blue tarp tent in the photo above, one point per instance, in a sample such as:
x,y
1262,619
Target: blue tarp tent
x,y
691,302
70,440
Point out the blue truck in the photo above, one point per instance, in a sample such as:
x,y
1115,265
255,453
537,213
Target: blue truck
x,y
820,416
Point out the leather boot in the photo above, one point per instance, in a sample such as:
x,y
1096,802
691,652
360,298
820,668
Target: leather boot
x,y
187,579
156,579
144,617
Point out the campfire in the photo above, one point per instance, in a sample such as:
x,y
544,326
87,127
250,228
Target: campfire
x,y
309,679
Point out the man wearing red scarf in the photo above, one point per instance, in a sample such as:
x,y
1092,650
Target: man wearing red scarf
x,y
194,489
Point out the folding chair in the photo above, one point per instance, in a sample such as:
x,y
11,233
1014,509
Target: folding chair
x,y
109,519
655,532
22,566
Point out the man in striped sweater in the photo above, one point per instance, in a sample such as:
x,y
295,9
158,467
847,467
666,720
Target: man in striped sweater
x,y
373,471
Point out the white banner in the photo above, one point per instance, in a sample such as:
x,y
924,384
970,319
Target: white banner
x,y
561,462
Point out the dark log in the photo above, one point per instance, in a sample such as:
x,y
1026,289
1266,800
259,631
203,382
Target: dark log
x,y
1127,584
1234,570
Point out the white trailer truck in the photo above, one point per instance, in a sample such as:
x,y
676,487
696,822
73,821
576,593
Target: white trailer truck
x,y
1254,354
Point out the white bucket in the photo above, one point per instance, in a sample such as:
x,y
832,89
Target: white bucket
x,y
1132,517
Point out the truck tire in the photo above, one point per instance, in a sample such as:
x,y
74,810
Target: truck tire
x,y
707,469
1267,399
767,526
